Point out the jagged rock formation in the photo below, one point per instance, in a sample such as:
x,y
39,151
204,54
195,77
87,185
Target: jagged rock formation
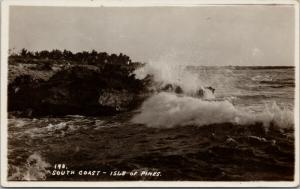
x,y
200,93
77,90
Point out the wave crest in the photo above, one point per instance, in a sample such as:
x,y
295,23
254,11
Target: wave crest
x,y
166,110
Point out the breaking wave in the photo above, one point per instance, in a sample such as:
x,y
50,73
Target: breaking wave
x,y
176,73
166,110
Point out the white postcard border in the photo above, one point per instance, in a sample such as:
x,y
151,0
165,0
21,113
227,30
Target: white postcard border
x,y
135,3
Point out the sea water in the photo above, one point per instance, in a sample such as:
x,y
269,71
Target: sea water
x,y
167,128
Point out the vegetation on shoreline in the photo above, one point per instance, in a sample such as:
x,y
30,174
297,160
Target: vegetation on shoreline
x,y
46,60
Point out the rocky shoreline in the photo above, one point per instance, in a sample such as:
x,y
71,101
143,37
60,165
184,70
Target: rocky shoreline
x,y
60,89
67,86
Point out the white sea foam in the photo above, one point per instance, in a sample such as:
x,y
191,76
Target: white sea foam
x,y
17,122
279,117
53,127
35,168
262,78
58,130
166,110
169,110
175,73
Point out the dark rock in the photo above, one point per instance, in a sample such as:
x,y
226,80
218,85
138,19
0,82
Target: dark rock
x,y
173,88
22,93
200,93
117,99
178,90
77,90
168,88
211,89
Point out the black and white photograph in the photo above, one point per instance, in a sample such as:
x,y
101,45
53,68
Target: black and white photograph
x,y
117,93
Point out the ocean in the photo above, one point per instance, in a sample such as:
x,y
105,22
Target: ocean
x,y
242,131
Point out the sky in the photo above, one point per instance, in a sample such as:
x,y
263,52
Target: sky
x,y
252,35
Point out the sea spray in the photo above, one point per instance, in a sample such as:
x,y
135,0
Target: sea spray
x,y
169,110
276,116
35,168
166,110
166,71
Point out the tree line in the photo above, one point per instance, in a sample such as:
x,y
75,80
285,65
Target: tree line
x,y
84,57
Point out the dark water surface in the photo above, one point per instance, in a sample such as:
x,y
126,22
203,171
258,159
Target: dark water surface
x,y
217,151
